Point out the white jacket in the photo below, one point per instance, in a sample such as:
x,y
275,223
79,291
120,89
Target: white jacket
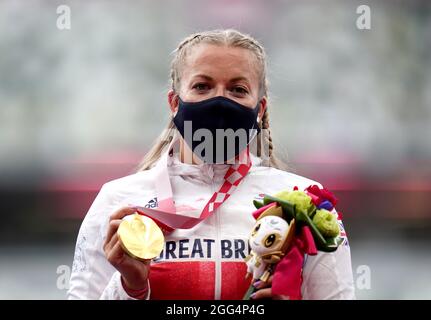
x,y
205,262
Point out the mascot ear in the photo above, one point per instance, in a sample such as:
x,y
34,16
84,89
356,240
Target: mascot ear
x,y
272,210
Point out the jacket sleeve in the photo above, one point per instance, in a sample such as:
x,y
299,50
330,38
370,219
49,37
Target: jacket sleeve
x,y
93,277
328,276
115,291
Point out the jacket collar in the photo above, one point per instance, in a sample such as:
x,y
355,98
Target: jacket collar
x,y
203,172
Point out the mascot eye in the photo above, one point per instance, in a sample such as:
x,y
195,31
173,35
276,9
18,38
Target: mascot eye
x,y
255,230
269,240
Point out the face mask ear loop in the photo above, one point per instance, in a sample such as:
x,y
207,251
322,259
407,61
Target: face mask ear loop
x,y
178,105
258,109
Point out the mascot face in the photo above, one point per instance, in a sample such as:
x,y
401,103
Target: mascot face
x,y
268,235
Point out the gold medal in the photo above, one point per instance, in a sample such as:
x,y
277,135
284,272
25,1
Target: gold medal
x,y
140,237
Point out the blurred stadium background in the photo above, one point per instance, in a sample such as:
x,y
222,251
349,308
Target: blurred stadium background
x,y
352,109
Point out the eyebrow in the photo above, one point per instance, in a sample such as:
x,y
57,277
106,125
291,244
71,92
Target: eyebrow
x,y
208,78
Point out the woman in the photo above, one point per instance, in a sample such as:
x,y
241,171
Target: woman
x,y
218,80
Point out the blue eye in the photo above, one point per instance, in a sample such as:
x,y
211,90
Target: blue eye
x,y
201,86
239,90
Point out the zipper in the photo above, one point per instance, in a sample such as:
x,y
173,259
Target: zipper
x,y
217,280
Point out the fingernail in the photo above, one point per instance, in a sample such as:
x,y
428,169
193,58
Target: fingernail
x,y
257,283
253,295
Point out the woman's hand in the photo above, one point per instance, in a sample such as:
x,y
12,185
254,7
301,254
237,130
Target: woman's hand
x,y
264,291
134,272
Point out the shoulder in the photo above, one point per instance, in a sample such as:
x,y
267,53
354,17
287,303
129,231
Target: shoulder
x,y
138,179
283,178
118,192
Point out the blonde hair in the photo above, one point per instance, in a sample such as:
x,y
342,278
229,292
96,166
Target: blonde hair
x,y
231,38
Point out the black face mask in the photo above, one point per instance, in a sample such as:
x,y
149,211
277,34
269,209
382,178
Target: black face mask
x,y
216,129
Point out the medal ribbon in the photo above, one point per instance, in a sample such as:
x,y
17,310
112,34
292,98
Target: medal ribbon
x,y
166,216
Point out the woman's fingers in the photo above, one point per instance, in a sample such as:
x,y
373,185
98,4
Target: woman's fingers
x,y
112,242
264,291
262,284
116,253
121,213
114,223
262,294
112,230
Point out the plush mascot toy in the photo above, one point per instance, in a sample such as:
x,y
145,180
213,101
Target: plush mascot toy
x,y
289,225
268,241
